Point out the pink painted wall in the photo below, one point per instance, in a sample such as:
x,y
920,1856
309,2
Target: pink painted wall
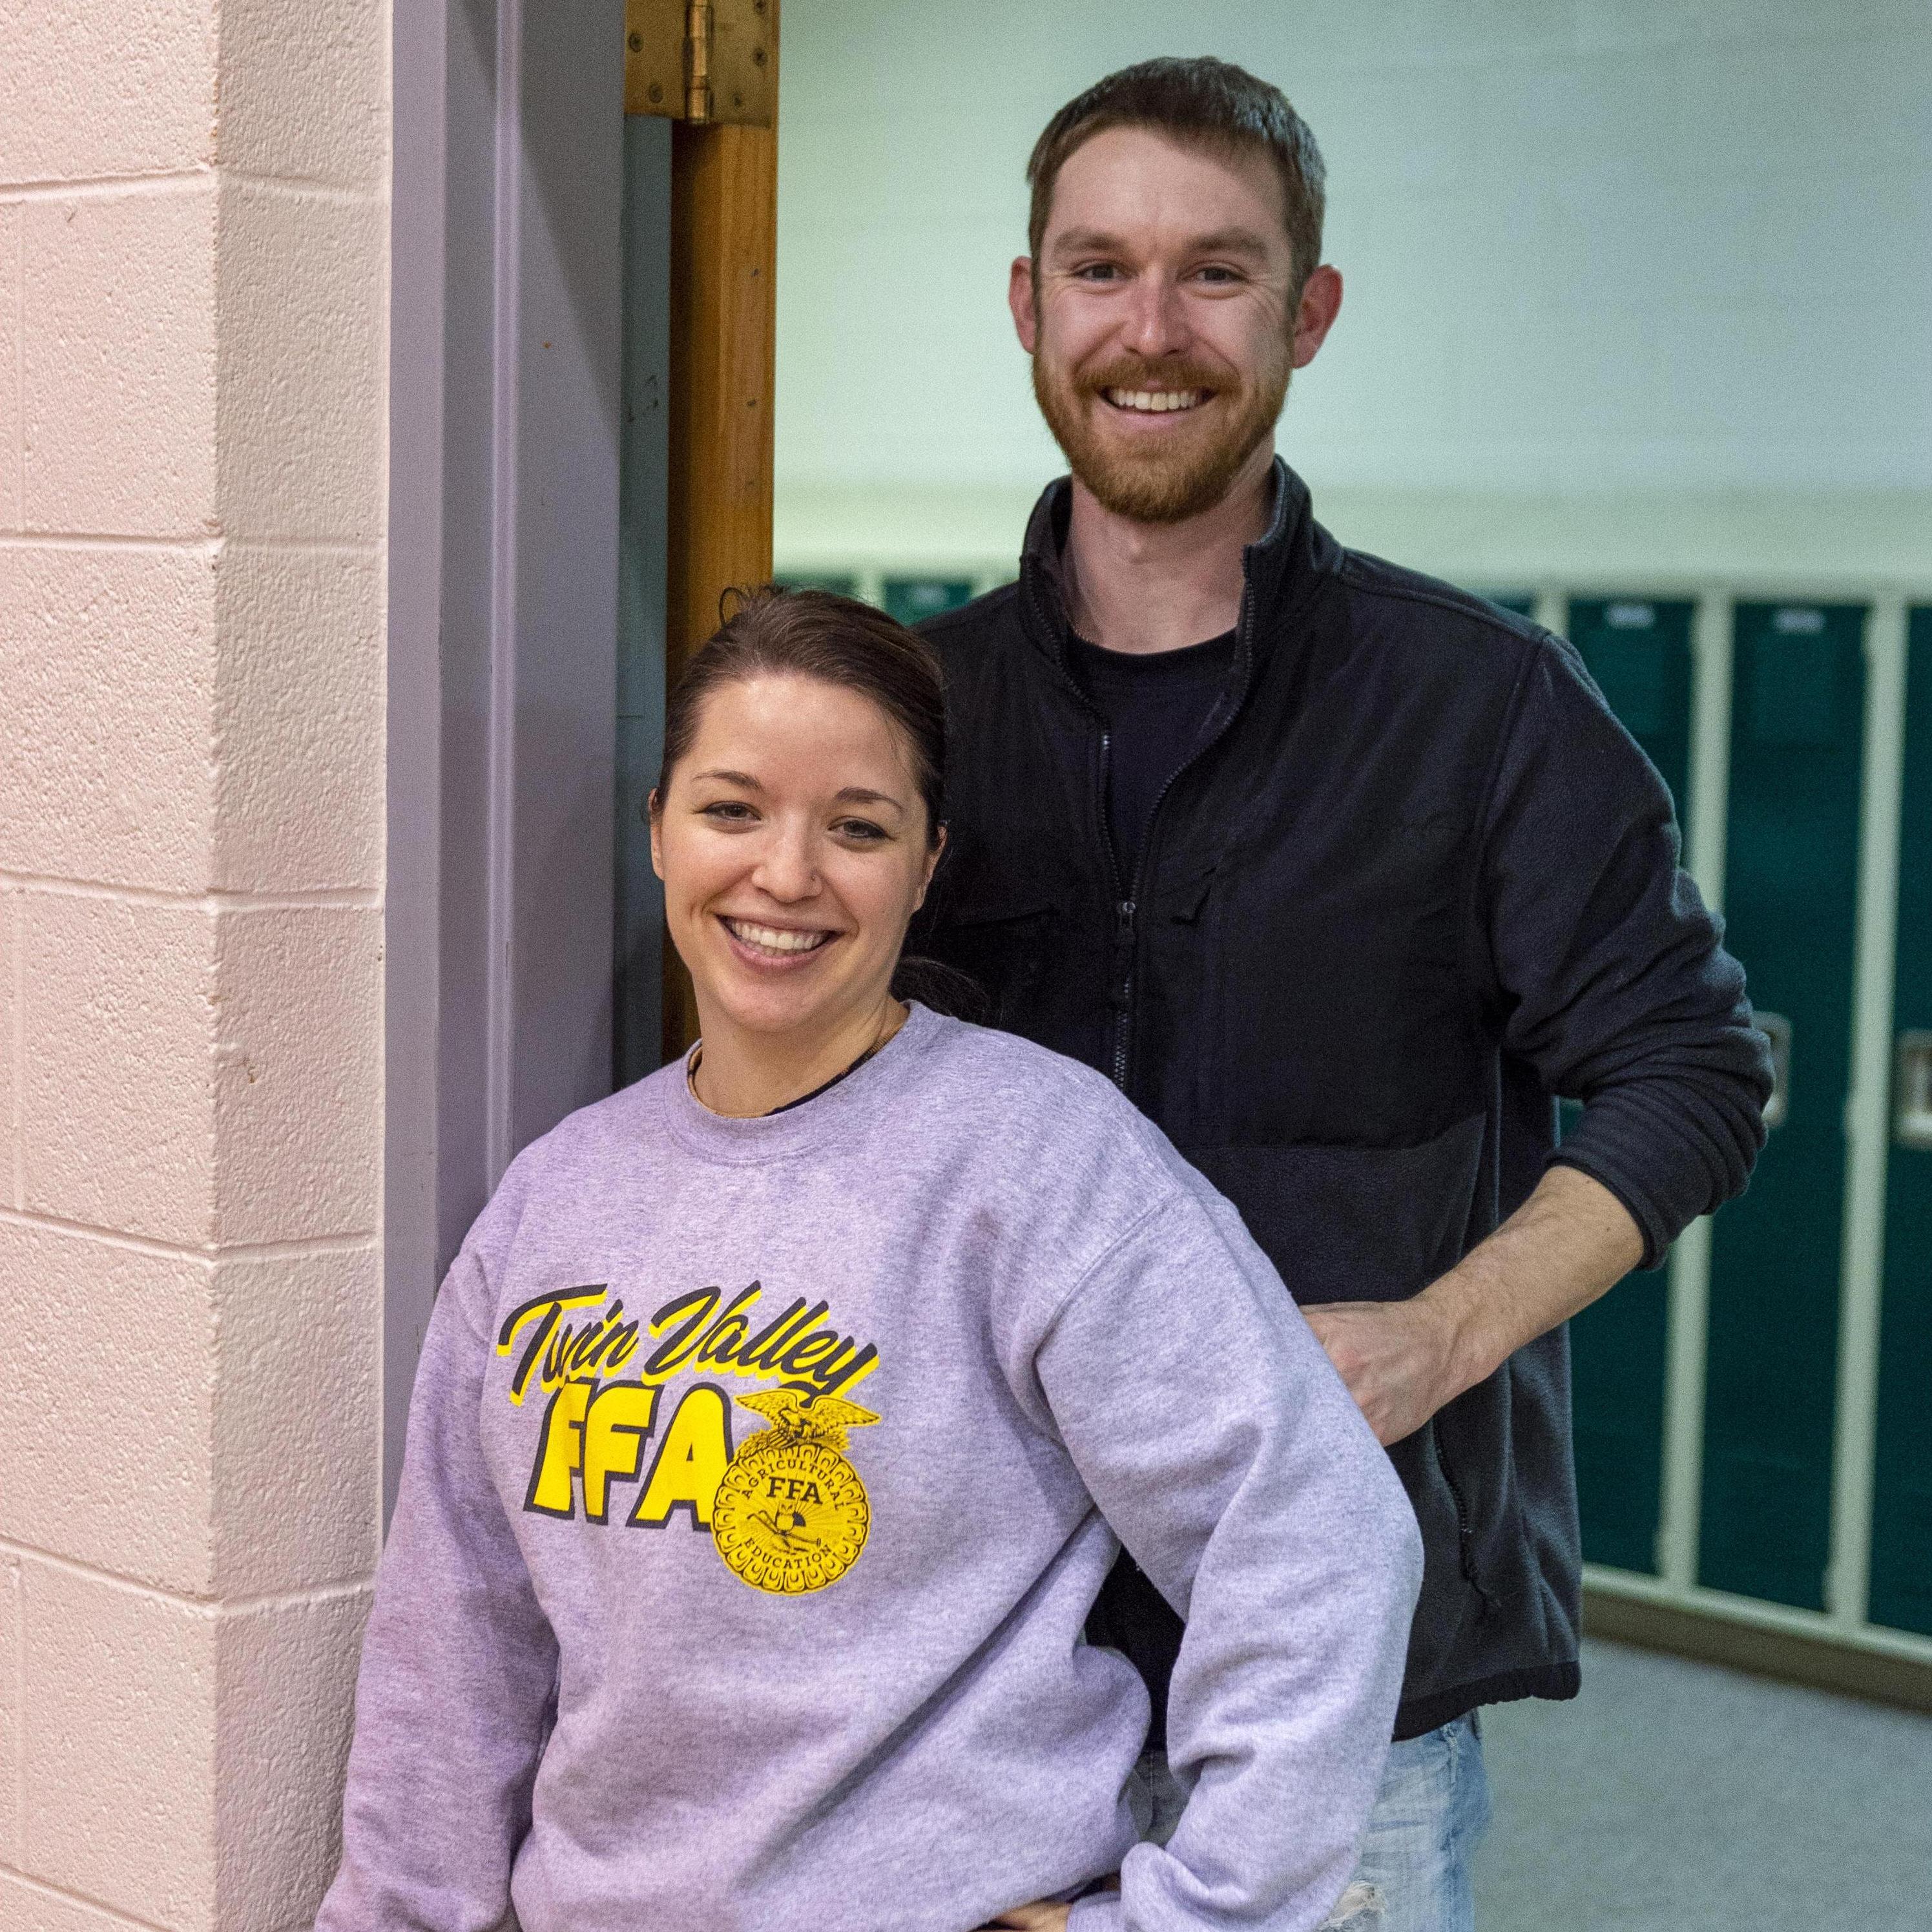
x,y
193,241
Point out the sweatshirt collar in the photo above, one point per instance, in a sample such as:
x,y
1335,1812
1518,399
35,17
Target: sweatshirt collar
x,y
798,1129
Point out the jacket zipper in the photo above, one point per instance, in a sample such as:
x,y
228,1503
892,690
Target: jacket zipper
x,y
1127,932
1466,1531
1121,973
1126,936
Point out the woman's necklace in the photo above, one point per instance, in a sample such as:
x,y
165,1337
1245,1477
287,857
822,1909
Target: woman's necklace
x,y
897,1014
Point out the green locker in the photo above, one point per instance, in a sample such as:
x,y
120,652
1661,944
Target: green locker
x,y
1791,901
911,599
841,581
1522,603
1901,1554
1638,649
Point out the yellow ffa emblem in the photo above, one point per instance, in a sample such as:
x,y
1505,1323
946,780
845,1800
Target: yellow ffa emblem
x,y
791,1514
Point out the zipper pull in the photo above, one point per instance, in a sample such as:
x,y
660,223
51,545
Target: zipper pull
x,y
1123,923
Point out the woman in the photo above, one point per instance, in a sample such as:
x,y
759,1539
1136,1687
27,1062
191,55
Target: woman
x,y
778,1419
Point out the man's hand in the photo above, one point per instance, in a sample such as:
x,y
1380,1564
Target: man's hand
x,y
1394,1356
1039,1917
1571,1240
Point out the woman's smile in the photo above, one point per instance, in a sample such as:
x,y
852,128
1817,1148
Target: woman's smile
x,y
768,946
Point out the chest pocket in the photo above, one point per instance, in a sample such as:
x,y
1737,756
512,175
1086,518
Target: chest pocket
x,y
1354,1224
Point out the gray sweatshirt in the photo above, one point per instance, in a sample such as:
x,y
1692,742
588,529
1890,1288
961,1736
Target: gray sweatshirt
x,y
760,1475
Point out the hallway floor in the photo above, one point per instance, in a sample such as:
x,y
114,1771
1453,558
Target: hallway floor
x,y
1676,1797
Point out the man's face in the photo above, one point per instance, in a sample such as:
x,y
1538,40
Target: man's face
x,y
1158,317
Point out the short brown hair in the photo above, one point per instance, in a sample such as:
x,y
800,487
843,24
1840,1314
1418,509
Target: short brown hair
x,y
1200,103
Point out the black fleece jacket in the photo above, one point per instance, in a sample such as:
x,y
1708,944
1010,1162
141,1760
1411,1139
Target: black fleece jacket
x,y
1415,883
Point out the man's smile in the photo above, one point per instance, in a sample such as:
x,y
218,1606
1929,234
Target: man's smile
x,y
1155,402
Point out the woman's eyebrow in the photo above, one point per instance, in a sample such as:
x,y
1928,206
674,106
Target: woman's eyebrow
x,y
847,795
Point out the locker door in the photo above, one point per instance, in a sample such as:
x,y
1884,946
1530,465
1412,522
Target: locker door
x,y
1522,603
909,598
1639,651
1901,1572
843,582
1790,898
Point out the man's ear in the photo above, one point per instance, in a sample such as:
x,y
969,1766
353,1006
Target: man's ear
x,y
1314,315
1020,298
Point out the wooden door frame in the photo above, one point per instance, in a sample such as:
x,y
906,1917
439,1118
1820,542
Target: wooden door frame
x,y
724,258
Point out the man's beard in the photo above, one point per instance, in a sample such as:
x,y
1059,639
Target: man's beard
x,y
1158,486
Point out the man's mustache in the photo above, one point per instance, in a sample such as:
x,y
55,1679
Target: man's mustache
x,y
1159,376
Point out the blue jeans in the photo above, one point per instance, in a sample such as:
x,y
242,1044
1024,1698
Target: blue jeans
x,y
1413,1874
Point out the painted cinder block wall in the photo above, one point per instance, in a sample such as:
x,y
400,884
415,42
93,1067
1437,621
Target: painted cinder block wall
x,y
193,262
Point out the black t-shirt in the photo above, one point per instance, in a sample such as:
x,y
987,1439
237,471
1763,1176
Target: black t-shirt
x,y
1155,706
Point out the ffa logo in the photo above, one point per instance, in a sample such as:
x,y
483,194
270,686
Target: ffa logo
x,y
787,1514
791,1514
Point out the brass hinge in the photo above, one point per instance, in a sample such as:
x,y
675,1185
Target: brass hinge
x,y
701,60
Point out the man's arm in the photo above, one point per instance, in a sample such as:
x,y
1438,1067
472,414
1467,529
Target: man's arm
x,y
1570,1241
1603,970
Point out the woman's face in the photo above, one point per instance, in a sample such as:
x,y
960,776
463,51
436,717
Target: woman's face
x,y
793,845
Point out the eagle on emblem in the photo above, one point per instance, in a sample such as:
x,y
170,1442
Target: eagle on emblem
x,y
822,1425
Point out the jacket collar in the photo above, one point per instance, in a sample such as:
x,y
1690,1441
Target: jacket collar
x,y
1278,569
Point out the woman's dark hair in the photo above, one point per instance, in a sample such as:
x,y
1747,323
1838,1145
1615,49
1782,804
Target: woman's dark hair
x,y
775,632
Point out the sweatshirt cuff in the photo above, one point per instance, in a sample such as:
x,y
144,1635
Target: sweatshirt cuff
x,y
1097,1911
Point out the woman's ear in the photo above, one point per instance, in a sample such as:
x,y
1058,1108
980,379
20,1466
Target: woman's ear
x,y
654,816
932,860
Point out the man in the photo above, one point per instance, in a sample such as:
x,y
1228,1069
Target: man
x,y
1341,874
